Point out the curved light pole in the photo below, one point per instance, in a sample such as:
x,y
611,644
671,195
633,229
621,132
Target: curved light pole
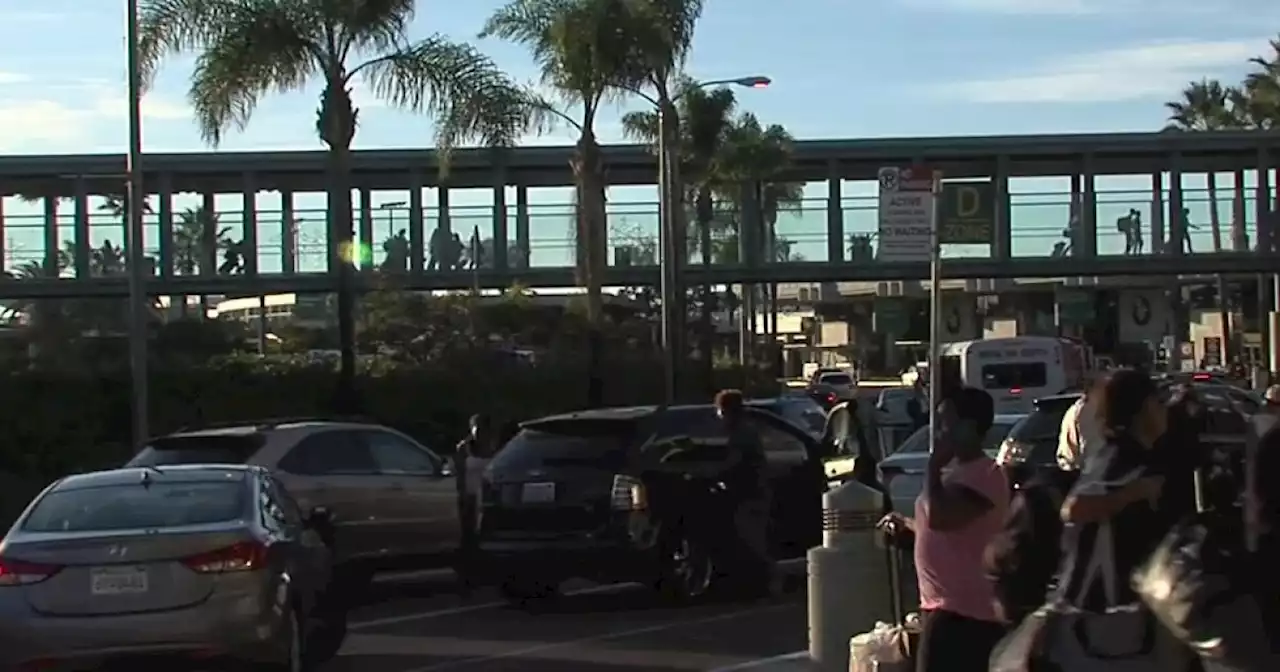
x,y
673,248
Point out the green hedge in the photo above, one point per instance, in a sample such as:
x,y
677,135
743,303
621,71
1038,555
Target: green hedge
x,y
59,423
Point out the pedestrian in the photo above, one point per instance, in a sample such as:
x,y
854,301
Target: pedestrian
x,y
956,516
1180,453
1080,431
746,481
1022,560
470,459
1112,527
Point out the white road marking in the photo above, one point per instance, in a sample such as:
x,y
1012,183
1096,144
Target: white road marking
x,y
797,657
617,634
788,564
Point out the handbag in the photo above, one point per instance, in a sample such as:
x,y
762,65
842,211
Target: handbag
x,y
1062,636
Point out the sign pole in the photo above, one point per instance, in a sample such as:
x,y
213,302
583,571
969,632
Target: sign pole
x,y
935,315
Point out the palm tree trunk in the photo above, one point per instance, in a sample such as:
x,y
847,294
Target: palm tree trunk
x,y
591,222
706,328
343,232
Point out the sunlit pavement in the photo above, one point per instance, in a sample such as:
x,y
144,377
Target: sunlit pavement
x,y
423,624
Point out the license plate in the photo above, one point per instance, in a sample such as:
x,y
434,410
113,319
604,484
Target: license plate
x,y
118,581
538,493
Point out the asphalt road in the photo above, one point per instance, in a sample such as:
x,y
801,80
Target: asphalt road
x,y
424,624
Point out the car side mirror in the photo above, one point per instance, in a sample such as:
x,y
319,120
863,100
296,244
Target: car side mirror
x,y
448,468
319,516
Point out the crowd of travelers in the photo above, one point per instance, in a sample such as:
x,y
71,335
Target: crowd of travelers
x,y
1057,572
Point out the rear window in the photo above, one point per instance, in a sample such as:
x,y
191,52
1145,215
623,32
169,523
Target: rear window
x,y
919,441
1019,375
1045,423
804,413
588,445
836,379
134,505
216,449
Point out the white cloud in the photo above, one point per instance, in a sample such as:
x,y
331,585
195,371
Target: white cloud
x,y
74,123
13,78
1131,73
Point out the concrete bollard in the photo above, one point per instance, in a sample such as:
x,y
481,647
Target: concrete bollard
x,y
850,588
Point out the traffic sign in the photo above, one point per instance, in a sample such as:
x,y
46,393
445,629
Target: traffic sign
x,y
967,213
908,209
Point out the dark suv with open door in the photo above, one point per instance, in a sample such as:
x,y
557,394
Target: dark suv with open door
x,y
609,495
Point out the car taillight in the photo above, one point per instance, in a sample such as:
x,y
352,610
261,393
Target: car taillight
x,y
1015,390
832,398
1012,453
245,556
628,494
21,573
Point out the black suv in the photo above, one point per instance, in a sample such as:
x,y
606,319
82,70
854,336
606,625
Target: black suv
x,y
592,495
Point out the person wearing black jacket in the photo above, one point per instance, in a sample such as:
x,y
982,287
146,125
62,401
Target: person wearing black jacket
x,y
1180,453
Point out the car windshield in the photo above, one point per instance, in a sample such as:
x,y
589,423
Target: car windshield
x,y
198,449
138,506
918,442
561,444
835,379
804,413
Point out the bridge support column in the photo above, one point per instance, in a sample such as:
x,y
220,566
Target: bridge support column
x,y
835,214
51,241
416,232
364,259
1179,236
83,244
500,244
522,226
1002,246
1268,300
289,244
209,232
164,196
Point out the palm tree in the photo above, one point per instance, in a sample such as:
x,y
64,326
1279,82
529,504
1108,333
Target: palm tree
x,y
193,235
582,58
1204,106
708,117
754,153
249,48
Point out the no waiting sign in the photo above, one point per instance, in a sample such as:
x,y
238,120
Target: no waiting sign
x,y
908,205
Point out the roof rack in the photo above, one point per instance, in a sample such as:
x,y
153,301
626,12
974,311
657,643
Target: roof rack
x,y
272,423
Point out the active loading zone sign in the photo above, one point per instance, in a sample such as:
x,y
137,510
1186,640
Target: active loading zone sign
x,y
908,205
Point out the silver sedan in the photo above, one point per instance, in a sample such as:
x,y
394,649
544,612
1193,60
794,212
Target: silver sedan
x,y
175,566
902,472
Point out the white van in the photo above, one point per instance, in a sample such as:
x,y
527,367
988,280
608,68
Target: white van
x,y
1016,371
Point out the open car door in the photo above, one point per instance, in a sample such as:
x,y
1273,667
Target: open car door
x,y
839,442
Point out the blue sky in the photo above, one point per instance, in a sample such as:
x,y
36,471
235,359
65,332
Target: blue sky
x,y
841,69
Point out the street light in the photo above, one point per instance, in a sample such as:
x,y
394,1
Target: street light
x,y
391,214
138,307
673,309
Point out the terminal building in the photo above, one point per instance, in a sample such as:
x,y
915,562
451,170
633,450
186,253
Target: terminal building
x,y
1119,238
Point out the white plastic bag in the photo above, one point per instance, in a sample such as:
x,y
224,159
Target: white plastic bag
x,y
877,651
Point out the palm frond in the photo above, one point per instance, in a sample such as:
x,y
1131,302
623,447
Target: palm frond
x,y
259,50
369,26
170,27
641,126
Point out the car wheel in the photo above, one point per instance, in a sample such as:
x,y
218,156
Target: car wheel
x,y
686,570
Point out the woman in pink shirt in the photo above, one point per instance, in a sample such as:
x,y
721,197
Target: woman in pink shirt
x,y
960,510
